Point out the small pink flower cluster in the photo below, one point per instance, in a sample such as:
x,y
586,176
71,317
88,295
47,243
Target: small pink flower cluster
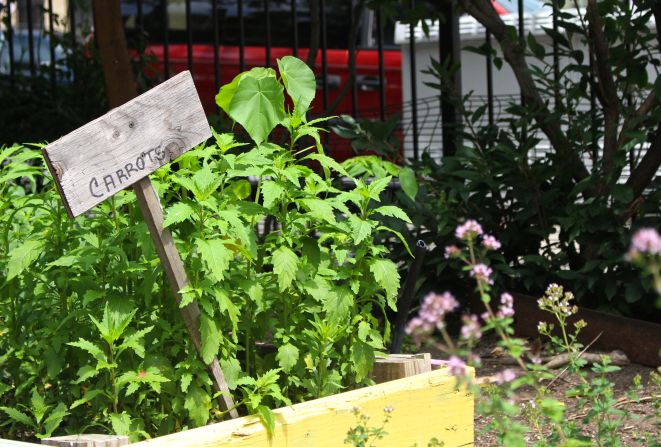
x,y
645,241
456,365
432,314
506,305
471,329
452,251
481,272
490,243
505,376
506,308
468,230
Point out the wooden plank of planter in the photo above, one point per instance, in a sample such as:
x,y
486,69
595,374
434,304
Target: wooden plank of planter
x,y
88,440
9,443
424,406
639,340
398,366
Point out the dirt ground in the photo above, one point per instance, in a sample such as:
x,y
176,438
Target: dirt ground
x,y
643,425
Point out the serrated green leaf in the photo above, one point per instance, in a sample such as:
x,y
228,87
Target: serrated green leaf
x,y
311,252
226,305
88,396
271,192
337,303
267,417
53,421
206,182
285,265
320,209
177,213
21,257
132,388
198,403
38,406
360,229
121,423
377,187
135,341
216,256
18,416
287,356
362,356
186,379
386,275
89,347
210,338
392,211
64,261
232,370
328,162
86,372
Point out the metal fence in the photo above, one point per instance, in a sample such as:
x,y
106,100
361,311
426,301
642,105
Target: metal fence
x,y
217,39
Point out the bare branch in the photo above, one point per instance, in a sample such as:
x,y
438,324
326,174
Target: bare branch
x,y
644,108
607,89
514,54
643,174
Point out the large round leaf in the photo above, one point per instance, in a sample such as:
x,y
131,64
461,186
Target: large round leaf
x,y
258,105
299,81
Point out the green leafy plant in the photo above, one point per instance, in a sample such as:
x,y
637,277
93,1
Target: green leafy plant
x,y
302,288
42,418
292,313
115,382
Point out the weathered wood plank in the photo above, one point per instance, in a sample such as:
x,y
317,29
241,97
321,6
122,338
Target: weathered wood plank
x,y
398,366
128,143
424,406
8,443
87,440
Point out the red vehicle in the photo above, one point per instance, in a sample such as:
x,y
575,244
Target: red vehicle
x,y
156,13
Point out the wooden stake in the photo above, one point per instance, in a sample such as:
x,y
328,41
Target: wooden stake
x,y
120,88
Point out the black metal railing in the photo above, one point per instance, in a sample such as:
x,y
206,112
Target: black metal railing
x,y
240,29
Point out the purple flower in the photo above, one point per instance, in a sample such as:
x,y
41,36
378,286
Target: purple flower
x,y
431,315
468,230
490,243
505,376
457,366
482,273
645,241
506,305
471,328
451,251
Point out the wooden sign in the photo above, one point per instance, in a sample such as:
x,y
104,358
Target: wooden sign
x,y
126,144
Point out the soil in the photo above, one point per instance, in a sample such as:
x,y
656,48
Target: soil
x,y
643,423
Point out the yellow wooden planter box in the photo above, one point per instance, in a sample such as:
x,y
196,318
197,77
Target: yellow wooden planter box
x,y
425,406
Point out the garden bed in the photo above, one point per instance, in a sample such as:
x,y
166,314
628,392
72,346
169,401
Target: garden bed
x,y
419,409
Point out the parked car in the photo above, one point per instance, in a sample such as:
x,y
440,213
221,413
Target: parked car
x,y
41,53
153,15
